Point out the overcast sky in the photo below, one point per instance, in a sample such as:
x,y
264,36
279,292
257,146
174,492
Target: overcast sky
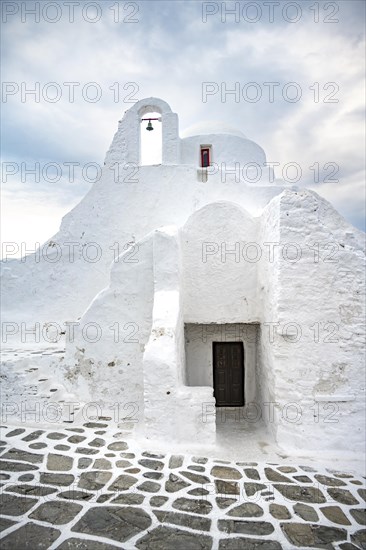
x,y
168,49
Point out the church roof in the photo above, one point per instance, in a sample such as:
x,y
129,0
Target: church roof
x,y
211,127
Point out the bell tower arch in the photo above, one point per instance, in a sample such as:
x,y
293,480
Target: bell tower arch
x,y
130,126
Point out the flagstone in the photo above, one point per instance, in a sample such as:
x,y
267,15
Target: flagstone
x,y
12,505
331,481
29,537
118,446
226,487
56,462
56,479
175,461
359,515
279,511
31,490
85,544
56,512
197,506
224,472
184,520
122,483
248,509
175,483
306,512
335,515
244,543
254,528
117,523
252,473
301,494
17,454
167,538
306,534
94,480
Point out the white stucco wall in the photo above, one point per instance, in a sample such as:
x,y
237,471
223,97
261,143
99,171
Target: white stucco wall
x,y
59,283
226,148
202,271
323,370
108,369
173,411
268,284
219,287
171,286
142,367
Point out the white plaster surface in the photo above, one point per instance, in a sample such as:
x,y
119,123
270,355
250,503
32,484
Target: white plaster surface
x,y
151,279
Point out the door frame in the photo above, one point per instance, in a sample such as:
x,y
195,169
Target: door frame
x,y
214,344
203,149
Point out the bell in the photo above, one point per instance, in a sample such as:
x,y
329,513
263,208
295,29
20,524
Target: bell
x,y
149,126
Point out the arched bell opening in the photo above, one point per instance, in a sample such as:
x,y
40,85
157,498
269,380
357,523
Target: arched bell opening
x,y
150,147
151,139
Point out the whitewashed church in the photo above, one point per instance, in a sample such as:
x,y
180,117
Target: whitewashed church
x,y
216,287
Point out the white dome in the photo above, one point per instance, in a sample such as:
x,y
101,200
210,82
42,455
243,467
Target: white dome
x,y
211,127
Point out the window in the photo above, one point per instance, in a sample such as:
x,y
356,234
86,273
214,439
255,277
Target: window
x,y
205,157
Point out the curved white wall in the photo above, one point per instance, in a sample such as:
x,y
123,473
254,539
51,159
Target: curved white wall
x,y
226,149
220,285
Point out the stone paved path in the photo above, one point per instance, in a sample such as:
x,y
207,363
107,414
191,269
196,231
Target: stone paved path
x,y
89,488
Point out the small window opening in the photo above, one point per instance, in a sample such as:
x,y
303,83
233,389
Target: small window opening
x,y
205,157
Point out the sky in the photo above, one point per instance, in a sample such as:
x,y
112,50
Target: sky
x,y
295,71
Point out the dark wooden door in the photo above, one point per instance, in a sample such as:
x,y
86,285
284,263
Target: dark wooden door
x,y
205,157
228,373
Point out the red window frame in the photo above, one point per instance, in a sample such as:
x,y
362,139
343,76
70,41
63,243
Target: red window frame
x,y
205,151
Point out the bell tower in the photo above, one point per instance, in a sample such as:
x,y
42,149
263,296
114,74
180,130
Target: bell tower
x,y
130,128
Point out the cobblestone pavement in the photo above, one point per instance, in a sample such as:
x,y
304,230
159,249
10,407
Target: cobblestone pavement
x,y
90,488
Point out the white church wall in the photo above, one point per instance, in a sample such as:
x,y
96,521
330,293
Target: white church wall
x,y
103,362
170,285
310,385
268,284
319,339
137,365
219,276
171,141
173,411
116,211
199,355
225,148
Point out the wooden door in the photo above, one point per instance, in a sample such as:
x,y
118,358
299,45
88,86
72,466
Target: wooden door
x,y
205,157
228,373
